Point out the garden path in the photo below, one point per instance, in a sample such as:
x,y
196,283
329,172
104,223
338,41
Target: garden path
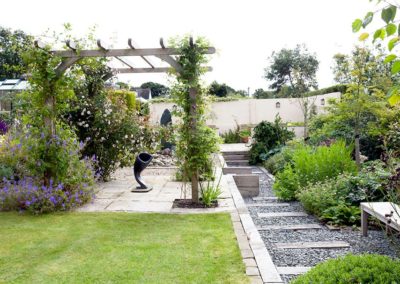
x,y
115,195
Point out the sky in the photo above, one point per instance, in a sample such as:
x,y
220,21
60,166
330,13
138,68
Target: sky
x,y
245,33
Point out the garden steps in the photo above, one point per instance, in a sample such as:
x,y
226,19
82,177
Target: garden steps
x,y
266,198
237,170
248,185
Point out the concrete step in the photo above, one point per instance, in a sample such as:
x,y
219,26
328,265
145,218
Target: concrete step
x,y
292,270
291,227
227,153
236,157
282,214
311,245
237,163
237,170
248,185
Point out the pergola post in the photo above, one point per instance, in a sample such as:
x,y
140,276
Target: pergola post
x,y
195,173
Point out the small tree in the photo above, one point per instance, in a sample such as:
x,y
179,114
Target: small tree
x,y
157,90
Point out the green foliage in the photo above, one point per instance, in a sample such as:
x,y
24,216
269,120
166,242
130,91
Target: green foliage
x,y
268,136
210,191
196,141
386,33
12,45
232,136
262,94
295,68
311,165
367,268
157,90
332,89
277,162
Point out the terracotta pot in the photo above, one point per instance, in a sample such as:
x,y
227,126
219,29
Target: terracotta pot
x,y
245,139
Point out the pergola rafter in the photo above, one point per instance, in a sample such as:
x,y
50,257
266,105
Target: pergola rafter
x,y
72,55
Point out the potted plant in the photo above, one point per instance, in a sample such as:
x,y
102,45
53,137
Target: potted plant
x,y
244,135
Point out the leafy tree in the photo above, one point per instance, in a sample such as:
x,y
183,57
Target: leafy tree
x,y
295,68
12,45
122,85
262,94
220,90
390,32
362,112
157,90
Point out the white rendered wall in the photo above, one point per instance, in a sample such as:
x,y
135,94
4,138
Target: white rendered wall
x,y
225,115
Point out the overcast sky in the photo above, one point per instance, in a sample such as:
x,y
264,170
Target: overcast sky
x,y
245,33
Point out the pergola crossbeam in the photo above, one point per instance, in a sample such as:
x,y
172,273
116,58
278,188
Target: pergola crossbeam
x,y
133,45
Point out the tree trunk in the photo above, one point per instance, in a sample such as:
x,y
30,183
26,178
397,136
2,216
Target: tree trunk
x,y
357,149
195,174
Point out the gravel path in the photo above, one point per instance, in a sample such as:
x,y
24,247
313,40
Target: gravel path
x,y
376,242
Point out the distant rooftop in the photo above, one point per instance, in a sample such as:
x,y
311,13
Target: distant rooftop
x,y
13,85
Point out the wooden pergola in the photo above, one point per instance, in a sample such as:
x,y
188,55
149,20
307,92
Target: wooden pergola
x,y
73,55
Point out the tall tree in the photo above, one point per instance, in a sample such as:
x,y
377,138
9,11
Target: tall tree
x,y
12,45
220,90
295,69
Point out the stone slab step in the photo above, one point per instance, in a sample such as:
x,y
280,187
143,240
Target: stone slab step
x,y
268,198
318,245
236,157
274,204
293,270
237,163
228,153
238,170
247,180
282,214
291,227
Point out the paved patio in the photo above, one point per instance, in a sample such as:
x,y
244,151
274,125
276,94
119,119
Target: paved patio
x,y
115,195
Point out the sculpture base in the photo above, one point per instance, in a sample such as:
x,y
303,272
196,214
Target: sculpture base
x,y
140,189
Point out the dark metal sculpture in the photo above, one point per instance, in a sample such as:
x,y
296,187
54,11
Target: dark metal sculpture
x,y
141,162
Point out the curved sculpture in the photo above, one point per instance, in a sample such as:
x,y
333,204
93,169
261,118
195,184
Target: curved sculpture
x,y
141,162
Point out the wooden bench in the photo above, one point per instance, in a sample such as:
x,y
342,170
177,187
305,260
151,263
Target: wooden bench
x,y
386,212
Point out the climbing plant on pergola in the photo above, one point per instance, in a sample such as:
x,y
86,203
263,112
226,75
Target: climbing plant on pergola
x,y
73,54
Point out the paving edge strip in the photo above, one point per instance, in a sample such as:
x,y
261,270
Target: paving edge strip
x,y
250,242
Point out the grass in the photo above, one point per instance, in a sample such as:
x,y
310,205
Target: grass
x,y
119,248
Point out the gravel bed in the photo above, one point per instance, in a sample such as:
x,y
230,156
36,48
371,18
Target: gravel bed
x,y
304,257
376,242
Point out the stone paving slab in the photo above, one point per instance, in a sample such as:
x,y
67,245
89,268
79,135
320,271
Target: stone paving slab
x,y
259,198
275,204
293,270
319,245
291,227
282,214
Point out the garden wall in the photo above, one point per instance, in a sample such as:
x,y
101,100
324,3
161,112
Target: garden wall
x,y
225,115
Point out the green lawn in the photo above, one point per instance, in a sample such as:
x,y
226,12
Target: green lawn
x,y
119,248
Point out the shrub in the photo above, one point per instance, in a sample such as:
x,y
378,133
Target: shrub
x,y
366,268
312,165
337,200
281,156
268,136
43,175
3,127
232,135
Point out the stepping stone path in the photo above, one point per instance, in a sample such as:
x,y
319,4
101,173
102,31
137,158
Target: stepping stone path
x,y
297,241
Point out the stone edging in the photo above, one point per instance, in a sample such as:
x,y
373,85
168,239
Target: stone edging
x,y
259,265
